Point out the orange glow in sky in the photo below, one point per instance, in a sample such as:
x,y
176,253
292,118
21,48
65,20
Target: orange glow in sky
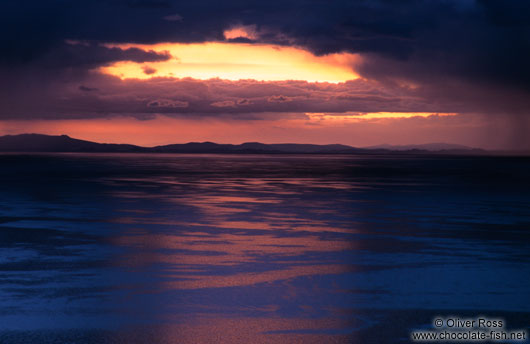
x,y
235,61
357,117
241,31
360,130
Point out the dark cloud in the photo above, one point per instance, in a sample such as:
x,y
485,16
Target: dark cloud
x,y
87,89
224,103
149,4
90,55
279,99
243,102
483,40
167,103
173,17
148,70
393,29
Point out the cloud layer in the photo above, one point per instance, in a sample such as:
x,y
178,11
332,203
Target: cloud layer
x,y
101,95
484,40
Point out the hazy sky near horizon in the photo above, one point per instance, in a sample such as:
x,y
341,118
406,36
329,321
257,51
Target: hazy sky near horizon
x,y
354,72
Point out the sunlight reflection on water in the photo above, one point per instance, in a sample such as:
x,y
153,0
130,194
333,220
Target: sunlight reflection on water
x,y
236,249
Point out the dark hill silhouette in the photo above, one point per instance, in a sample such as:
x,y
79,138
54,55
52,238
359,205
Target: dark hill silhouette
x,y
64,143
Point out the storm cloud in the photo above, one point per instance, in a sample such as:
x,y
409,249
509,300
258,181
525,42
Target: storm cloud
x,y
481,41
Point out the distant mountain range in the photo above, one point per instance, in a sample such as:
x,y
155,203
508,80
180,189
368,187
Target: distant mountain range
x,y
433,147
64,143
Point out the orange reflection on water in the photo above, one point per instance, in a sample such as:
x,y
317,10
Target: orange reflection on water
x,y
250,278
231,248
195,253
238,232
208,329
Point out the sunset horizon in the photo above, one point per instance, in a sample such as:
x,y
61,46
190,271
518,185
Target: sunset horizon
x,y
256,172
360,130
110,141
359,76
429,146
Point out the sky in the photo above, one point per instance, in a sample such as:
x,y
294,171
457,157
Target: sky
x,y
356,72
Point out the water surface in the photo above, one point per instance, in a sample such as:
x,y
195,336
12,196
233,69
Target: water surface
x,y
159,248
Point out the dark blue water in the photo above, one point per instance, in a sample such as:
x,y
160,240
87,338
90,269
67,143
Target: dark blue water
x,y
258,249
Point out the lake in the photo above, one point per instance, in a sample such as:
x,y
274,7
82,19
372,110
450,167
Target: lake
x,y
154,248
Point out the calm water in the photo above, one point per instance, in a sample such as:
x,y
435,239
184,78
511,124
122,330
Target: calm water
x,y
258,249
